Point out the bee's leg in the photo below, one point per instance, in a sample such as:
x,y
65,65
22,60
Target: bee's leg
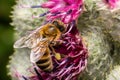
x,y
24,78
54,42
57,55
72,24
52,49
38,74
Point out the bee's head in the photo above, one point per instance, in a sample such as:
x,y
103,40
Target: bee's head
x,y
59,26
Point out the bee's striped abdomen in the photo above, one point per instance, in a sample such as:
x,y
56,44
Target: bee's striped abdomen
x,y
45,63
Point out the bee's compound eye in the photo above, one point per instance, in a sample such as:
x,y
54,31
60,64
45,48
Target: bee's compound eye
x,y
44,36
61,28
55,23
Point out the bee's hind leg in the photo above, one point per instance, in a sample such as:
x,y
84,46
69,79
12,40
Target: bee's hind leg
x,y
38,74
24,78
57,55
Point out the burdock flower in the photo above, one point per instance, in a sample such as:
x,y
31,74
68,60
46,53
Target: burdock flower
x,y
66,10
73,59
72,50
73,62
94,24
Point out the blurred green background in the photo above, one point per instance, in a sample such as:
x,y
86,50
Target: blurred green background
x,y
6,36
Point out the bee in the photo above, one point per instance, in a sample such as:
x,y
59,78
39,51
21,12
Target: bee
x,y
40,41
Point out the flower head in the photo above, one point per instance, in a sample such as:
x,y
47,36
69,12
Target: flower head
x,y
66,10
73,59
72,63
72,51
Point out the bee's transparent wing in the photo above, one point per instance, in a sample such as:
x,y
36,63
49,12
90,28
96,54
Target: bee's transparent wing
x,y
20,43
38,51
29,41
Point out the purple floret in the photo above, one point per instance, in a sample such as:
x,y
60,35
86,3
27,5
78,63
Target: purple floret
x,y
66,10
112,3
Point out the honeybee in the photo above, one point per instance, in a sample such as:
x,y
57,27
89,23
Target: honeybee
x,y
40,41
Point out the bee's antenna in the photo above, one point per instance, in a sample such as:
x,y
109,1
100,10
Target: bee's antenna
x,y
71,26
60,27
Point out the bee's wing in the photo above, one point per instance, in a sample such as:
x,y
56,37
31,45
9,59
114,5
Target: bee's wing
x,y
38,51
25,42
29,41
20,43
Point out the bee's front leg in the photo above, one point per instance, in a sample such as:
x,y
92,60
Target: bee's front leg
x,y
56,43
